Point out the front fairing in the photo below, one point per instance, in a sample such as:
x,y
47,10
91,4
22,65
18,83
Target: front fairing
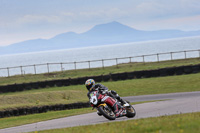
x,y
94,98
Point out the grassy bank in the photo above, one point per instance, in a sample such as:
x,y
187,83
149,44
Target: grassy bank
x,y
70,94
96,71
183,123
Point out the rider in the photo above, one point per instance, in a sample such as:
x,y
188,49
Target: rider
x,y
91,86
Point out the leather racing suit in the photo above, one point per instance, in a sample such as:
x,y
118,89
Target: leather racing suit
x,y
102,89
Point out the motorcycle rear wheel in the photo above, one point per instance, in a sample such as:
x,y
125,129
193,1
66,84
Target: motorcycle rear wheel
x,y
107,112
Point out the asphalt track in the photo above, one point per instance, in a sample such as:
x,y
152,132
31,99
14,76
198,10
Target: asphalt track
x,y
176,103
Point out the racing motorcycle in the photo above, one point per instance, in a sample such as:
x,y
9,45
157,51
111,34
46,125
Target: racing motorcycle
x,y
97,100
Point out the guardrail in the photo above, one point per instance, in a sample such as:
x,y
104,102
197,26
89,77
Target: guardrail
x,y
52,67
41,109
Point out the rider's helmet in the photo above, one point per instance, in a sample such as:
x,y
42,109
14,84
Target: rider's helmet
x,y
90,84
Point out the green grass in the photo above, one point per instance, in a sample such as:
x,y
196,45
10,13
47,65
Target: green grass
x,y
50,96
71,94
27,119
96,71
183,123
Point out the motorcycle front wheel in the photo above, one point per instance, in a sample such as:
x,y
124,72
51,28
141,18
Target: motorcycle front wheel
x,y
107,112
130,111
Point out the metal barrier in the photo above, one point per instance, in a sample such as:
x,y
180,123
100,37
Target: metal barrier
x,y
53,67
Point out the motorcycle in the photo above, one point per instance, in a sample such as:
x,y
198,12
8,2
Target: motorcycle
x,y
97,100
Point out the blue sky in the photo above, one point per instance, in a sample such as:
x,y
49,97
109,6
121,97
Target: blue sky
x,y
31,19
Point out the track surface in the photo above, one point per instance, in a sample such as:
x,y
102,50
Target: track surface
x,y
177,103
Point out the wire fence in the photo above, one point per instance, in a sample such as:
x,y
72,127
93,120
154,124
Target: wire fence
x,y
55,67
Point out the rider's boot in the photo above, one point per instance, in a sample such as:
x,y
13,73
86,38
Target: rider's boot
x,y
121,100
124,103
114,94
119,110
124,112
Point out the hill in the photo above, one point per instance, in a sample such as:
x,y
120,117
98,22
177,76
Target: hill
x,y
109,33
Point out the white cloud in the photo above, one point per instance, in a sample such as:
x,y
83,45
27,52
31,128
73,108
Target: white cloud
x,y
152,9
38,19
111,13
182,23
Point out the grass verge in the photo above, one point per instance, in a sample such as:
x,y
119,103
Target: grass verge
x,y
71,94
183,123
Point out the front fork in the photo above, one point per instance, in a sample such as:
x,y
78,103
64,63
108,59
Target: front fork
x,y
103,104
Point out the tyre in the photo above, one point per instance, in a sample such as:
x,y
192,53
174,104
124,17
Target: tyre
x,y
130,112
107,112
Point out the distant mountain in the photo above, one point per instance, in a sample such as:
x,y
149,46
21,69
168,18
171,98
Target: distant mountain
x,y
103,34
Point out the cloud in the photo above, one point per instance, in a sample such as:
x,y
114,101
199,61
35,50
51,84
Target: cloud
x,y
38,19
152,9
106,11
93,14
187,23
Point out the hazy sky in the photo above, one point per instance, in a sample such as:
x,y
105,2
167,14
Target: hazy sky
x,y
31,19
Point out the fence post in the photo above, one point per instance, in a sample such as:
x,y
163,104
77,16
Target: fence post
x,y
8,72
185,54
199,53
171,55
34,69
102,63
21,70
116,62
61,67
143,59
75,65
89,64
130,61
48,67
158,58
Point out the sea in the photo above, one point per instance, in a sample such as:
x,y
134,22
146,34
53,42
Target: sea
x,y
89,57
